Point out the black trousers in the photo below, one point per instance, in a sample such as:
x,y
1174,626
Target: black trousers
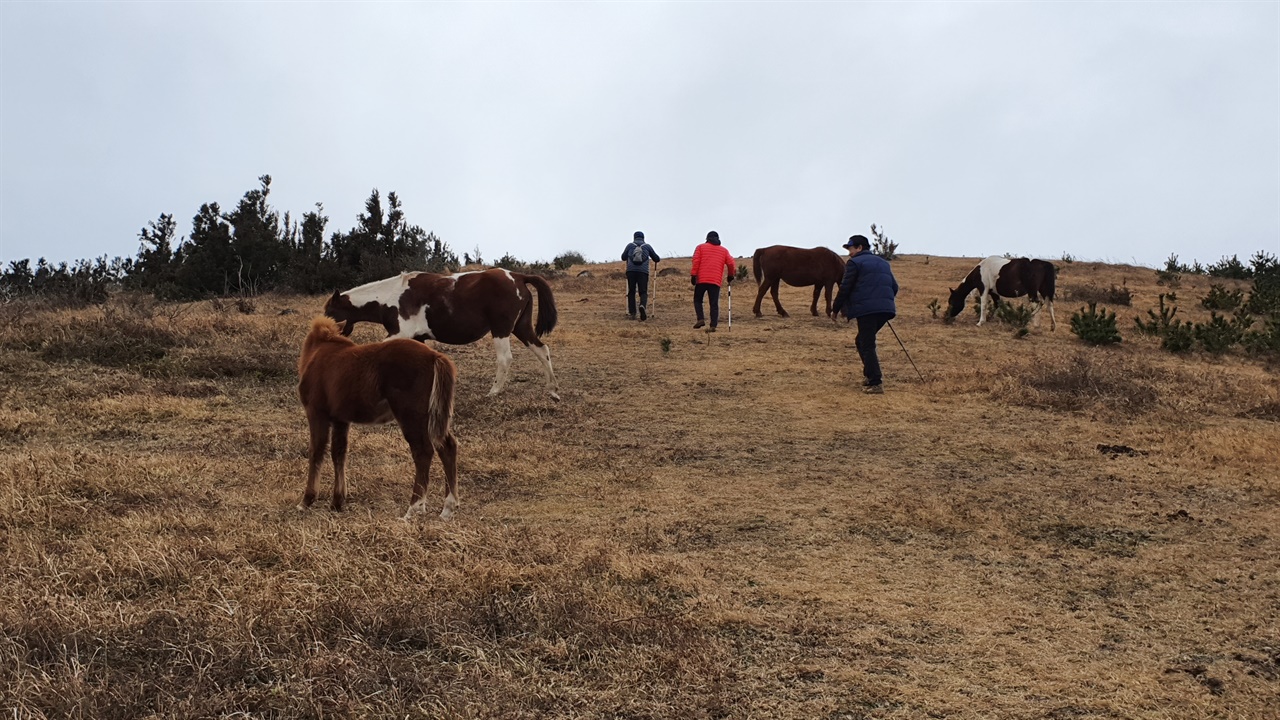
x,y
713,298
637,280
868,326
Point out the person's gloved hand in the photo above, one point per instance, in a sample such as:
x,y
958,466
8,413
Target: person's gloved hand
x,y
728,280
693,281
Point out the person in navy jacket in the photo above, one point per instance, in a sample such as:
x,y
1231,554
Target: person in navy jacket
x,y
867,295
638,253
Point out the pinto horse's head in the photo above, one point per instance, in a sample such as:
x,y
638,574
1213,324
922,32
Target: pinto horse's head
x,y
339,308
955,305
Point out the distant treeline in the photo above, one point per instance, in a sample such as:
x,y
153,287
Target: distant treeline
x,y
246,251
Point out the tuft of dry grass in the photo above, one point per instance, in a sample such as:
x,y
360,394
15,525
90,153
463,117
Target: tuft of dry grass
x,y
707,526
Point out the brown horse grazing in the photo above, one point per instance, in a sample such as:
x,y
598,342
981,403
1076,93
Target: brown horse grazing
x,y
797,267
456,310
341,383
1010,278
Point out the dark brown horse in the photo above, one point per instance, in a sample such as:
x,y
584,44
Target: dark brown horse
x,y
797,267
1010,278
457,309
341,383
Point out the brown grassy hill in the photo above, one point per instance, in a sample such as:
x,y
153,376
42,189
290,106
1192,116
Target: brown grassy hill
x,y
707,526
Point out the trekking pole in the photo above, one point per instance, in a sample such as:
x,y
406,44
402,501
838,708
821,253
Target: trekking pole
x,y
729,285
904,352
653,292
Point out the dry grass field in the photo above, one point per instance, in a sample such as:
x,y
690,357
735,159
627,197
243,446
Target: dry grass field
x,y
706,526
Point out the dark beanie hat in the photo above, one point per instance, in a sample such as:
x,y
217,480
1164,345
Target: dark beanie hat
x,y
713,237
639,235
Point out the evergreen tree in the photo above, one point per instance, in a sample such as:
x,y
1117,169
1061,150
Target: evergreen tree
x,y
206,259
155,265
257,243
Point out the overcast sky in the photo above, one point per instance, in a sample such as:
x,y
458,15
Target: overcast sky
x,y
1106,130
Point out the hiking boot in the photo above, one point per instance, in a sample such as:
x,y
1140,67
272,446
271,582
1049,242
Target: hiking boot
x,y
631,316
711,329
698,324
868,383
643,316
876,389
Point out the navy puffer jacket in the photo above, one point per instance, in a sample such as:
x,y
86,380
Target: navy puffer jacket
x,y
868,287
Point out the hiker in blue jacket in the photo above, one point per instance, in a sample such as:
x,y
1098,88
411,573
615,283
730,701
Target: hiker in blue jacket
x,y
866,295
638,254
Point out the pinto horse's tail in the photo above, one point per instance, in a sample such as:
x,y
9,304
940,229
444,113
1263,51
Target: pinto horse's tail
x,y
441,415
755,265
546,305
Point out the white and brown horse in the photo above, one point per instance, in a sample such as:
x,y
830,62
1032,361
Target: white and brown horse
x,y
797,267
340,382
1009,278
456,310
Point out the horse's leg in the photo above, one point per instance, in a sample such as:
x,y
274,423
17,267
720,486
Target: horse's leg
x,y
414,429
982,308
448,451
817,293
543,353
764,287
315,457
773,291
1053,321
502,347
339,499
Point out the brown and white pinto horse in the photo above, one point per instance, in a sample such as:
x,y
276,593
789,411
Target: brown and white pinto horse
x,y
457,309
1010,278
797,267
341,383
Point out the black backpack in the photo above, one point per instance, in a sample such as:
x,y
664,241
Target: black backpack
x,y
640,254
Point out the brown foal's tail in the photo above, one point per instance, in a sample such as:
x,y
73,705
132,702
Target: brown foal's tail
x,y
441,414
546,305
755,266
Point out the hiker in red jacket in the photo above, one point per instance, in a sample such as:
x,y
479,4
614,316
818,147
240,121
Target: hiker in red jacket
x,y
710,260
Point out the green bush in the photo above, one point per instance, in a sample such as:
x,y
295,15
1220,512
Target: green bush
x,y
1095,328
881,244
1175,335
1265,341
1220,298
1016,315
1171,275
1220,334
1178,337
1230,268
1159,324
568,260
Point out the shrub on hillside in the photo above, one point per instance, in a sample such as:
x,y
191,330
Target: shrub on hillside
x,y
881,244
1230,268
1016,315
568,260
1093,327
1112,295
1220,298
1220,334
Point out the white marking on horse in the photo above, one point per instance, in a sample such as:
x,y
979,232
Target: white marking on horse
x,y
415,326
502,347
990,271
386,292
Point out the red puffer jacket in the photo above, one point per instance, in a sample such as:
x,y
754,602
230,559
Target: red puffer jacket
x,y
709,263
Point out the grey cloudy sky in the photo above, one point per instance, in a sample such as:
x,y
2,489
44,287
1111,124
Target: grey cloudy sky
x,y
1107,130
